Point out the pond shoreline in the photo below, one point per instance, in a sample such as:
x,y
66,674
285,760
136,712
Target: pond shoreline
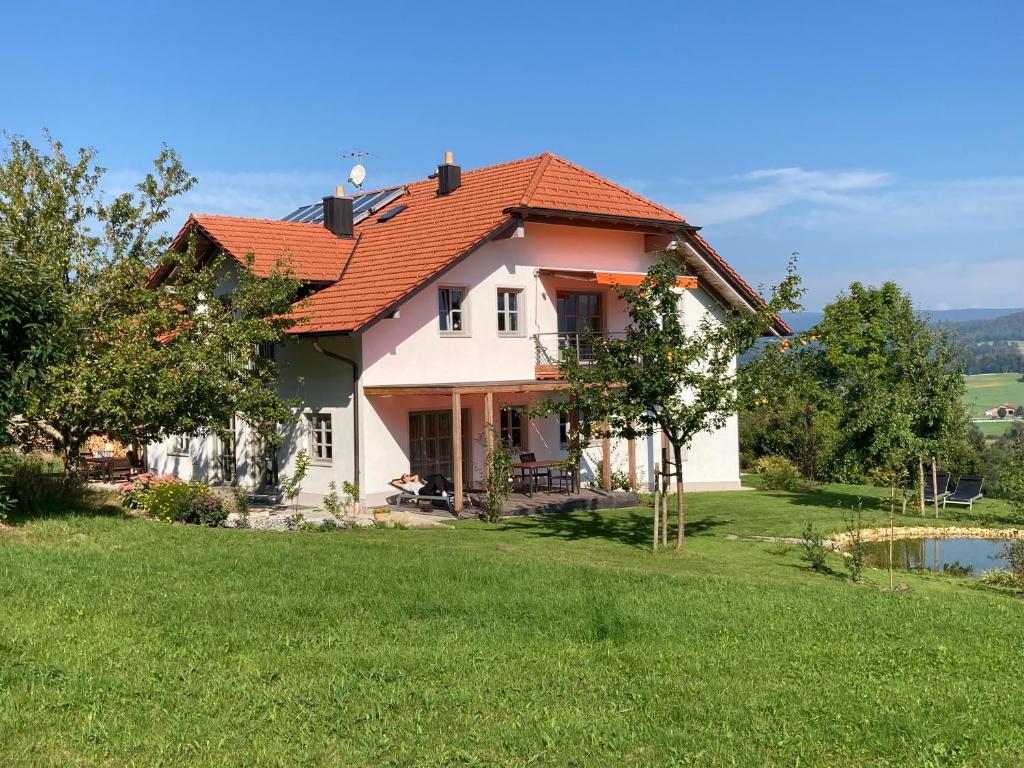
x,y
841,541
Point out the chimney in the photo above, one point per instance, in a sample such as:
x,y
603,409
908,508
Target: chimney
x,y
449,175
338,213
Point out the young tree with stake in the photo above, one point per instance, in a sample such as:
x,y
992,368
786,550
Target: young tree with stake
x,y
663,375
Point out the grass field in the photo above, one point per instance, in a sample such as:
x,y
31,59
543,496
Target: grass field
x,y
541,641
990,389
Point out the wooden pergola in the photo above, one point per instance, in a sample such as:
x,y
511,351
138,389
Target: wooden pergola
x,y
488,390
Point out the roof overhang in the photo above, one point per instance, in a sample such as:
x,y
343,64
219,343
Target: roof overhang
x,y
465,388
600,220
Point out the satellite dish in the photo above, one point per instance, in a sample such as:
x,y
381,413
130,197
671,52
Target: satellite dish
x,y
357,175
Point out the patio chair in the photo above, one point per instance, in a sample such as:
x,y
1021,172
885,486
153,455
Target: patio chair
x,y
967,491
135,462
942,478
120,468
563,477
534,473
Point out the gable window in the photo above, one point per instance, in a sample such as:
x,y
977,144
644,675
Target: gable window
x,y
180,445
508,311
321,438
451,310
513,427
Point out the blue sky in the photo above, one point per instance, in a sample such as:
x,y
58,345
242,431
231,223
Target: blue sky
x,y
879,140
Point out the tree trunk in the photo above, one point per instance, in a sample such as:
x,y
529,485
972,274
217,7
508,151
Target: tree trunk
x,y
811,461
935,490
892,525
677,450
657,493
920,485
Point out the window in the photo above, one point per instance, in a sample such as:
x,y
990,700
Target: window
x,y
451,309
513,427
180,445
265,350
321,438
508,311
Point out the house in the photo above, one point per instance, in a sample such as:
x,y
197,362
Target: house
x,y
1005,411
440,306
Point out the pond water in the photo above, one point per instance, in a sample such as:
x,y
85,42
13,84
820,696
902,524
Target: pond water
x,y
980,555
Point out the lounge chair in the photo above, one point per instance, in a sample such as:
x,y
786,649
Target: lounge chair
x,y
943,486
436,490
967,491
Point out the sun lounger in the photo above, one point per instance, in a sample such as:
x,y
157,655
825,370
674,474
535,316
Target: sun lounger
x,y
943,486
437,491
967,491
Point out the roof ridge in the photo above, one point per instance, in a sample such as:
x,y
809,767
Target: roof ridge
x,y
625,190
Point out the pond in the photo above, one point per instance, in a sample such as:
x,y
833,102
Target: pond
x,y
950,555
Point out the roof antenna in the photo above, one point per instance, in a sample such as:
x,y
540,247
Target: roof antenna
x,y
357,175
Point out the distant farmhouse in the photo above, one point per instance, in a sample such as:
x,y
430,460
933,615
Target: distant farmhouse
x,y
1005,411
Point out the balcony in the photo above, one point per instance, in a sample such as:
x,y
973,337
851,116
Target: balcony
x,y
551,349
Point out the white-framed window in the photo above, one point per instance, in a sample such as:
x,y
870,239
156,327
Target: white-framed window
x,y
565,428
451,311
180,445
509,307
514,427
321,438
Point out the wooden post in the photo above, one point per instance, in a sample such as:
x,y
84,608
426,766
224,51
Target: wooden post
x,y
489,428
606,459
632,464
457,447
920,485
656,522
935,487
664,493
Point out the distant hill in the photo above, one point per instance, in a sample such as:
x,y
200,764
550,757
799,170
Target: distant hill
x,y
1006,328
802,321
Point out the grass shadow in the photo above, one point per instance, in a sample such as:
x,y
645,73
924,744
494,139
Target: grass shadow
x,y
63,503
633,528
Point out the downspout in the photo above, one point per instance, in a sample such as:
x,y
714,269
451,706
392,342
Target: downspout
x,y
355,404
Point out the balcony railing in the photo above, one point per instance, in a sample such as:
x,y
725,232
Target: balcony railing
x,y
552,347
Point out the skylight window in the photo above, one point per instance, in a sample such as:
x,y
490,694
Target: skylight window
x,y
392,213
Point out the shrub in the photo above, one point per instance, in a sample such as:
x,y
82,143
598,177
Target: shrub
x,y
779,473
32,486
814,548
1001,578
620,479
856,551
172,500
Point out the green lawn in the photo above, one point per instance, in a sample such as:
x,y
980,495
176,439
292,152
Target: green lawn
x,y
542,641
987,390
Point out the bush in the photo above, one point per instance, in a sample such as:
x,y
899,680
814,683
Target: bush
x,y
172,500
1001,578
814,548
32,487
779,473
620,478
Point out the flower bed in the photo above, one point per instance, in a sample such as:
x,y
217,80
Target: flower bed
x,y
167,498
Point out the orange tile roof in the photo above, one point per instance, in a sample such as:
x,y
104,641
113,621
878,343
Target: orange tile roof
x,y
386,262
313,253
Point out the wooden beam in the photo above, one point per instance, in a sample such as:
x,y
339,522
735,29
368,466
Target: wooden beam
x,y
457,448
606,459
632,463
466,389
489,426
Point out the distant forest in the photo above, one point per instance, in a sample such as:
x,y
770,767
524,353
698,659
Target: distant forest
x,y
1005,328
990,346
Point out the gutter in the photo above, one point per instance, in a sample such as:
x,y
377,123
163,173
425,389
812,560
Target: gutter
x,y
355,405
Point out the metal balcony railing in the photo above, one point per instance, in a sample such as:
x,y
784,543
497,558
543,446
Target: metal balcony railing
x,y
551,347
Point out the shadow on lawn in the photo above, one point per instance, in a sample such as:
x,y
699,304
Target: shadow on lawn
x,y
63,504
633,528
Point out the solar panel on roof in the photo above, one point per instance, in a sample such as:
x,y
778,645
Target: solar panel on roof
x,y
362,206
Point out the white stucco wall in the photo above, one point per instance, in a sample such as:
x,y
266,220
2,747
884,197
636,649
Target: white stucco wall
x,y
410,350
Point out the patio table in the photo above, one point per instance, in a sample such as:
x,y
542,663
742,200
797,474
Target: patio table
x,y
529,469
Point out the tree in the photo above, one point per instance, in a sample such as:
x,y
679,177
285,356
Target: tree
x,y
115,358
900,379
664,375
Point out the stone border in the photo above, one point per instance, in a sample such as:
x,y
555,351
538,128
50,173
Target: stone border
x,y
842,540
